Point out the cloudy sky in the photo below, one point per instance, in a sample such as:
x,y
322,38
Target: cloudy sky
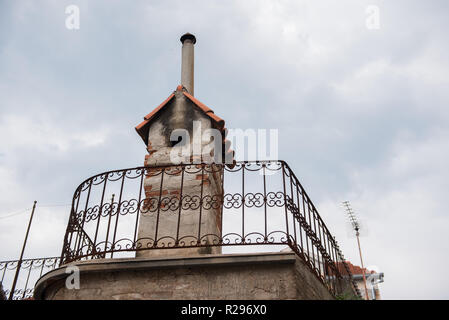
x,y
362,113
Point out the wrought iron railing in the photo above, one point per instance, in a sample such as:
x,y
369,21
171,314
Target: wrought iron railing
x,y
260,203
28,271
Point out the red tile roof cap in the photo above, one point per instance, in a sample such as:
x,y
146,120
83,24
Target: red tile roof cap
x,y
142,130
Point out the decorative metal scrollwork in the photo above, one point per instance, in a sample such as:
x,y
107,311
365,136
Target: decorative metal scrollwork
x,y
255,202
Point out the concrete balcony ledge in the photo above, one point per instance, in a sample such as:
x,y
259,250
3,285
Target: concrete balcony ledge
x,y
276,275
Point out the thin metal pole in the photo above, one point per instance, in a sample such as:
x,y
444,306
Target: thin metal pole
x,y
363,268
11,294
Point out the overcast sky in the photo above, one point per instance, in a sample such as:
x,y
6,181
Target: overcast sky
x,y
362,113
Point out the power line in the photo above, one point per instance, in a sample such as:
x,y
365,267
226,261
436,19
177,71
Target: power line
x,y
14,213
56,205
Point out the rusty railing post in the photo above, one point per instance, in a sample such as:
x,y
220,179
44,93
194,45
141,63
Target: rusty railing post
x,y
19,263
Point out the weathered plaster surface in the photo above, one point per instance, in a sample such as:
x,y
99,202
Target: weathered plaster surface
x,y
237,276
189,223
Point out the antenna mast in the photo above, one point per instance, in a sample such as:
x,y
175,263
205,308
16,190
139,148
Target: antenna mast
x,y
356,226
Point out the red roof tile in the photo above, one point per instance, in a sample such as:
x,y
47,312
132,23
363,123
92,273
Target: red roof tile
x,y
148,117
142,128
354,269
218,123
205,109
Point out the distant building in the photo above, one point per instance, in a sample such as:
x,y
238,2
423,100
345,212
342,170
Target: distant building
x,y
372,281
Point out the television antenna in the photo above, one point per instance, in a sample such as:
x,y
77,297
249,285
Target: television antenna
x,y
356,226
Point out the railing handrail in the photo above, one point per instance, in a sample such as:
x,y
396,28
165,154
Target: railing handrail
x,y
29,267
190,164
332,258
28,259
308,198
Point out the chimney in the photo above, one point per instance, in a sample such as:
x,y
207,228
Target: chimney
x,y
187,64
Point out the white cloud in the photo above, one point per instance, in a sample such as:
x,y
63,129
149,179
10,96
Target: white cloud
x,y
403,203
362,115
41,133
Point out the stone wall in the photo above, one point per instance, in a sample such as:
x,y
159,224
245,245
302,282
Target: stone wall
x,y
234,276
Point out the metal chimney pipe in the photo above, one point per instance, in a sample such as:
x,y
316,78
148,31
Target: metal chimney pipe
x,y
187,65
